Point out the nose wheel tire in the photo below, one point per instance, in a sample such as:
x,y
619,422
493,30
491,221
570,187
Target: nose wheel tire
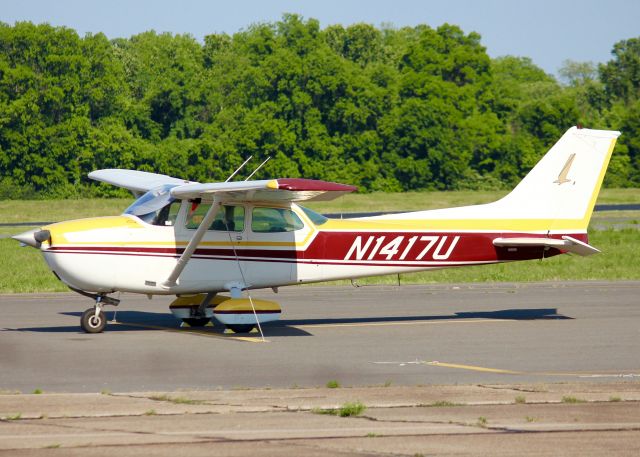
x,y
92,324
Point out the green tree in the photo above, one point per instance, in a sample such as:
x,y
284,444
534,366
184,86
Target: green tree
x,y
380,107
621,76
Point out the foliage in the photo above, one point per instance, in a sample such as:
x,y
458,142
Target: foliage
x,y
348,409
387,109
443,404
351,409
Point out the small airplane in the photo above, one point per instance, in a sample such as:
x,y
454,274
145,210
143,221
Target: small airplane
x,y
198,240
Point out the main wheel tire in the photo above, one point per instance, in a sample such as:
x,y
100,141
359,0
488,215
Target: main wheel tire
x,y
196,321
244,328
92,324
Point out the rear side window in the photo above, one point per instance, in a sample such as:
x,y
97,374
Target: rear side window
x,y
229,218
167,216
274,220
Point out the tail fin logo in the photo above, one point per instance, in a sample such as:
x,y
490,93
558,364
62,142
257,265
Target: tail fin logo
x,y
562,177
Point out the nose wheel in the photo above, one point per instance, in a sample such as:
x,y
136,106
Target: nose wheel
x,y
93,320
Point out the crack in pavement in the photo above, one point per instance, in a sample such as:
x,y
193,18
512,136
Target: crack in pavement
x,y
268,424
300,441
515,389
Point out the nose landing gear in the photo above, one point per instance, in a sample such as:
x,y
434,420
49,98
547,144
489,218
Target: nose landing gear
x,y
93,320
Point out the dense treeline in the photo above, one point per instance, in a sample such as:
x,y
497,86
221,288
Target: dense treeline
x,y
382,108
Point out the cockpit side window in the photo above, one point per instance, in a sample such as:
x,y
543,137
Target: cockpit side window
x,y
273,220
229,217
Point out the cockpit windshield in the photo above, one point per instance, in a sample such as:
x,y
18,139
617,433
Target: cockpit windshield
x,y
149,207
316,218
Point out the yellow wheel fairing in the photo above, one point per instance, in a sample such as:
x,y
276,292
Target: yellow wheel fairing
x,y
190,301
243,305
238,311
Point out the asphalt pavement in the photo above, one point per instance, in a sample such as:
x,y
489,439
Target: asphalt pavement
x,y
372,335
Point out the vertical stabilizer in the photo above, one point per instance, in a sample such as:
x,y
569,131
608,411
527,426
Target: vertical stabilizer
x,y
565,184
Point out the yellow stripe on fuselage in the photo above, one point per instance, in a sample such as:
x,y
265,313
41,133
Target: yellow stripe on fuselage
x,y
95,223
60,229
453,225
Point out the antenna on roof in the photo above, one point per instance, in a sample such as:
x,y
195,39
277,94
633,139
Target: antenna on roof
x,y
238,169
256,170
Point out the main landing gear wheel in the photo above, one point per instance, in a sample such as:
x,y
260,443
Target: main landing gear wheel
x,y
196,321
245,328
91,323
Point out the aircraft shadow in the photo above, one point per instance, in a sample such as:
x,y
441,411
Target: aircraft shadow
x,y
151,319
510,314
147,321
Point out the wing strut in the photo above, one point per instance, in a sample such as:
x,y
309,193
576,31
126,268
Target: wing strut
x,y
193,244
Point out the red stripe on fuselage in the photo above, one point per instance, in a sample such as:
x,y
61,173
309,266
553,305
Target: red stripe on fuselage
x,y
410,249
423,247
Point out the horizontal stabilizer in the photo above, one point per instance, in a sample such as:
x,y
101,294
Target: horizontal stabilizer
x,y
567,244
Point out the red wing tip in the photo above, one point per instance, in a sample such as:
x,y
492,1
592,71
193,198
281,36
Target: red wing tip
x,y
300,184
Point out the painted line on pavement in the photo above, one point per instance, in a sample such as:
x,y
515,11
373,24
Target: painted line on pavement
x,y
629,374
392,323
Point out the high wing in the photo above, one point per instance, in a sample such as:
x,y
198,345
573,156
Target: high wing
x,y
275,190
272,190
138,182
